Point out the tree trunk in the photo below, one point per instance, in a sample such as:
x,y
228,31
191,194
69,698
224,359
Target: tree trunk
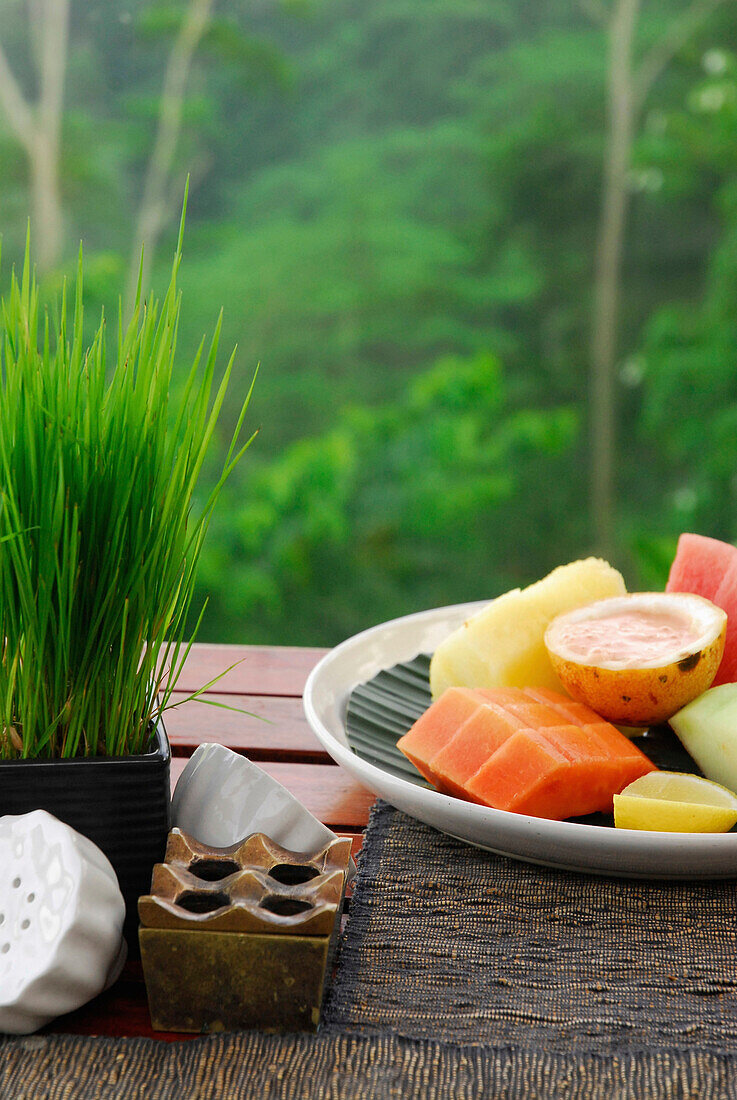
x,y
46,216
621,112
38,126
154,209
45,149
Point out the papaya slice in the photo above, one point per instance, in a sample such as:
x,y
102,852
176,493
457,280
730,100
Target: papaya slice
x,y
518,773
434,729
576,713
528,751
532,775
477,739
615,744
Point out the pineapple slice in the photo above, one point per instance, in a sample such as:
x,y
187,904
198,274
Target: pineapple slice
x,y
502,645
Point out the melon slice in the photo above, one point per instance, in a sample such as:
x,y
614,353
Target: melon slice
x,y
708,567
502,645
707,727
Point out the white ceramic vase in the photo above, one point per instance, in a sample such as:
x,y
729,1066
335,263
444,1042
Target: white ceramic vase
x,y
61,920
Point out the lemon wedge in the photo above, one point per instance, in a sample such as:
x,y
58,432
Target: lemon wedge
x,y
673,802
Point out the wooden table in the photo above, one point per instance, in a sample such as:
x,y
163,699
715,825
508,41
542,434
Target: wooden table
x,y
267,682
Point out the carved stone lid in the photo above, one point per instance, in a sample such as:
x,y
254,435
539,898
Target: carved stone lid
x,y
254,886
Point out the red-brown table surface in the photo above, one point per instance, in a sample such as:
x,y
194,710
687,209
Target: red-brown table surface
x,y
267,682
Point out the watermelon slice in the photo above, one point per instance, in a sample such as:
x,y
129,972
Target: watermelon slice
x,y
726,598
700,565
708,567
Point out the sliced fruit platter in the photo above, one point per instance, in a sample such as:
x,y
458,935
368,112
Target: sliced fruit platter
x,y
521,717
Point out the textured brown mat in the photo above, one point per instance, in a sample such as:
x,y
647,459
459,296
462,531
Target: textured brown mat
x,y
303,1067
539,985
451,943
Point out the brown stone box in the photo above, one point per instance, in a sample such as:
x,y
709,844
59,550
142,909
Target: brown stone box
x,y
240,937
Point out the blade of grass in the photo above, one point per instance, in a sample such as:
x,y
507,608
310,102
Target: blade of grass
x,y
100,525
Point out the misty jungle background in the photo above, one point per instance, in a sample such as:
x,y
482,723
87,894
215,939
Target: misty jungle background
x,y
485,252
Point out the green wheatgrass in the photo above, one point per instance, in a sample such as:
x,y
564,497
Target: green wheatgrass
x,y
99,533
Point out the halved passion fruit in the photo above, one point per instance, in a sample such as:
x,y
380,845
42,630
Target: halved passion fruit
x,y
639,658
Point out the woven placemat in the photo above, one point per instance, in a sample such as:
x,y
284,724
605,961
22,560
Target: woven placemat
x,y
343,1067
533,984
452,943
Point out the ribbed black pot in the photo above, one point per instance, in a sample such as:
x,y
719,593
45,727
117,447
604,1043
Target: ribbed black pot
x,y
122,803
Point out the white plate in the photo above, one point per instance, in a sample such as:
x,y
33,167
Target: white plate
x,y
566,844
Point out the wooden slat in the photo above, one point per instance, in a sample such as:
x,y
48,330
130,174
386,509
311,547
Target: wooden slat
x,y
278,731
327,791
260,670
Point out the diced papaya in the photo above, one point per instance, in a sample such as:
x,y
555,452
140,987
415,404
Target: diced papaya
x,y
530,751
618,746
437,726
518,768
575,789
608,736
529,775
503,696
575,744
564,728
479,736
577,713
535,715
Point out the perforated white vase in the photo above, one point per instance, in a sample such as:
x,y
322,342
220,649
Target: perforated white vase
x,y
61,920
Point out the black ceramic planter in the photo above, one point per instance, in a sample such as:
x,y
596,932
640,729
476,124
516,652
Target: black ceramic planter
x,y
121,803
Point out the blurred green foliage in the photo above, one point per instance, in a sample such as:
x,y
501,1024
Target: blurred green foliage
x,y
685,365
396,204
392,508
